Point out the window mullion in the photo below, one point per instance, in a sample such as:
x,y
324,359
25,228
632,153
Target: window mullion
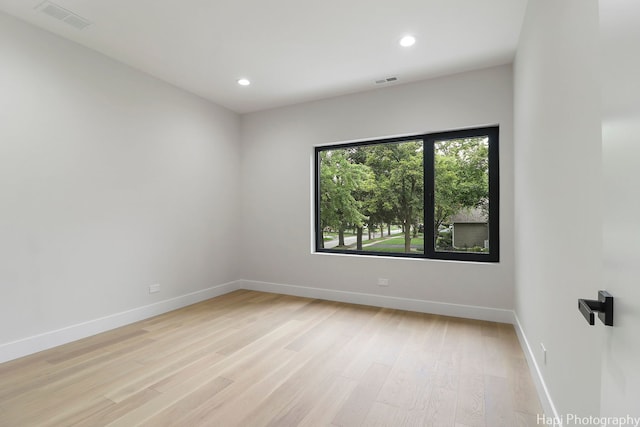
x,y
429,190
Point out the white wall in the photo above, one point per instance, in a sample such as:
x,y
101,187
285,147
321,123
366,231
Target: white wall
x,y
277,148
110,181
620,36
558,243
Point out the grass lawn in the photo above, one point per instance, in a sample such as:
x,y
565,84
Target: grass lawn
x,y
392,249
395,245
418,241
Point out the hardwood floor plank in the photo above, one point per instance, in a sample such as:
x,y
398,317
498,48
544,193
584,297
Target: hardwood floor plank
x,y
375,348
195,369
71,416
407,381
498,402
263,376
92,347
157,372
117,410
319,365
256,359
496,362
318,377
321,316
470,409
181,409
162,401
526,420
447,372
324,409
356,407
524,391
231,409
441,411
383,415
23,380
248,359
39,405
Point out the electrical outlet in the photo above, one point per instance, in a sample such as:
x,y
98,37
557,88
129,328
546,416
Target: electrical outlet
x,y
544,353
383,282
154,288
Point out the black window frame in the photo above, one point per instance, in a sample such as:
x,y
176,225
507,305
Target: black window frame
x,y
428,140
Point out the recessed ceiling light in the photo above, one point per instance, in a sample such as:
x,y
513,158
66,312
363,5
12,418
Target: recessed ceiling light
x,y
244,82
407,41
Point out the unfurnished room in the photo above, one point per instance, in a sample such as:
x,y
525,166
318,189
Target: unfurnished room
x,y
339,213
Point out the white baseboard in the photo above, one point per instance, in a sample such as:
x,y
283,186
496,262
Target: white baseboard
x,y
422,306
36,343
543,393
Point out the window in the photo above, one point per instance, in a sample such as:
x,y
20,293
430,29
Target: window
x,y
421,196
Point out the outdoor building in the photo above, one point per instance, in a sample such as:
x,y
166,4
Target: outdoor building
x,y
470,229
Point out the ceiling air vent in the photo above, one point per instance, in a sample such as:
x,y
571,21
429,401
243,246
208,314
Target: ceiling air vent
x,y
386,80
62,14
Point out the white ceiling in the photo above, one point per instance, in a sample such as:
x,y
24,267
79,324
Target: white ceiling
x,y
291,50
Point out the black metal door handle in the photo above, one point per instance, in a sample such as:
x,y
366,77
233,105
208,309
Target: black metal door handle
x,y
603,306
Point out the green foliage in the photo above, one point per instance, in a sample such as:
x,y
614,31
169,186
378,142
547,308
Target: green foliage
x,y
341,180
461,177
444,241
384,184
399,178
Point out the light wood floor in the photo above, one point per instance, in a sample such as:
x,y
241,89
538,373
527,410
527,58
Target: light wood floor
x,y
257,359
